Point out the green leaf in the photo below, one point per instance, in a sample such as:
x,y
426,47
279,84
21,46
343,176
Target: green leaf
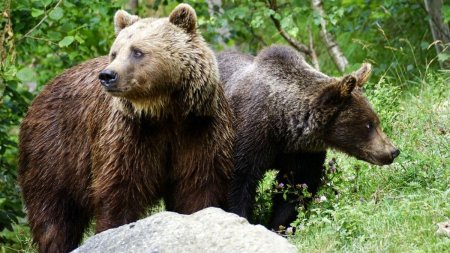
x,y
287,22
9,73
45,2
257,22
446,12
2,87
79,39
55,36
277,16
443,57
26,74
56,13
66,41
424,45
36,12
269,12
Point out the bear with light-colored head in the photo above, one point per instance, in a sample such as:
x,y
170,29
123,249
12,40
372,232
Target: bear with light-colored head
x,y
155,126
153,58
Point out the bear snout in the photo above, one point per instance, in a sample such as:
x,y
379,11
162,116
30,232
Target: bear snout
x,y
108,78
388,157
395,152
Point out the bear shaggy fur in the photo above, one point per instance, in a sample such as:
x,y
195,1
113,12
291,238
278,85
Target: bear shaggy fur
x,y
287,115
159,128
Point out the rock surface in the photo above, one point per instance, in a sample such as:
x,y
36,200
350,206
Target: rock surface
x,y
444,228
209,230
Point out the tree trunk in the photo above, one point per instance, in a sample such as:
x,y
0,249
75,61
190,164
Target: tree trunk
x,y
314,59
132,5
334,50
215,9
439,29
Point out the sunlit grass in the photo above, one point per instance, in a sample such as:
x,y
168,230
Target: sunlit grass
x,y
393,208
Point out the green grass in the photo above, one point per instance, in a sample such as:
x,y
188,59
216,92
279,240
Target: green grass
x,y
392,208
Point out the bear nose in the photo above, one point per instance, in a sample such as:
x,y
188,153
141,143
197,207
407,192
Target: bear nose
x,y
395,152
107,78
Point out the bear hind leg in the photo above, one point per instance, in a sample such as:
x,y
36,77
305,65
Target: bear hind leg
x,y
296,169
60,228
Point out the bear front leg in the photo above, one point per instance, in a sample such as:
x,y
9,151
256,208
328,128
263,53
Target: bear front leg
x,y
188,197
57,222
118,205
199,183
243,190
296,169
252,159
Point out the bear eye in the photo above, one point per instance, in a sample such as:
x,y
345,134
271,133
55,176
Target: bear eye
x,y
136,53
113,55
369,126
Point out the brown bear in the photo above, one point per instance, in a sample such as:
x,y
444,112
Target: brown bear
x,y
155,126
287,115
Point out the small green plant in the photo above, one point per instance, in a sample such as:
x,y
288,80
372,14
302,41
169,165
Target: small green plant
x,y
263,203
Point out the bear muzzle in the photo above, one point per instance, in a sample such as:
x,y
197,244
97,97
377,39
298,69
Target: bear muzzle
x,y
382,158
394,153
108,78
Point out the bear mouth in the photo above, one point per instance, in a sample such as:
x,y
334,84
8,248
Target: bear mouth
x,y
371,158
116,92
380,161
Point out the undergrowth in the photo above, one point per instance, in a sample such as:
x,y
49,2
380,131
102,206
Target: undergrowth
x,y
366,208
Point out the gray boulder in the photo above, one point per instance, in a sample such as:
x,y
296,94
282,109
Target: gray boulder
x,y
209,230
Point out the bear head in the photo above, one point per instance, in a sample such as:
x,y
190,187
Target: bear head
x,y
353,126
157,64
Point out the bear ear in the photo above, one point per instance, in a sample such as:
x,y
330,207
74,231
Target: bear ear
x,y
363,74
123,19
184,16
337,92
347,84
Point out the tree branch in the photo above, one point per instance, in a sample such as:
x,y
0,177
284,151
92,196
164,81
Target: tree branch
x,y
132,5
215,10
314,59
40,22
272,4
334,50
439,29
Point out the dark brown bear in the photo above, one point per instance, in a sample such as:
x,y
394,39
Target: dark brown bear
x,y
160,127
287,115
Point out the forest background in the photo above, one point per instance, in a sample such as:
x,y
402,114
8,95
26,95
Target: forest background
x,y
361,207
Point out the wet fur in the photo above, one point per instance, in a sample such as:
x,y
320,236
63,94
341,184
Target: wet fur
x,y
85,154
287,115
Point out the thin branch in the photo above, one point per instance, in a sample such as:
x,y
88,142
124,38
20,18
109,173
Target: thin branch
x,y
272,4
132,5
46,40
314,59
252,31
334,50
40,22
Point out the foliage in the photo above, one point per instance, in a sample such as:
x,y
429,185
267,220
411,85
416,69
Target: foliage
x,y
394,208
362,208
41,38
377,31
